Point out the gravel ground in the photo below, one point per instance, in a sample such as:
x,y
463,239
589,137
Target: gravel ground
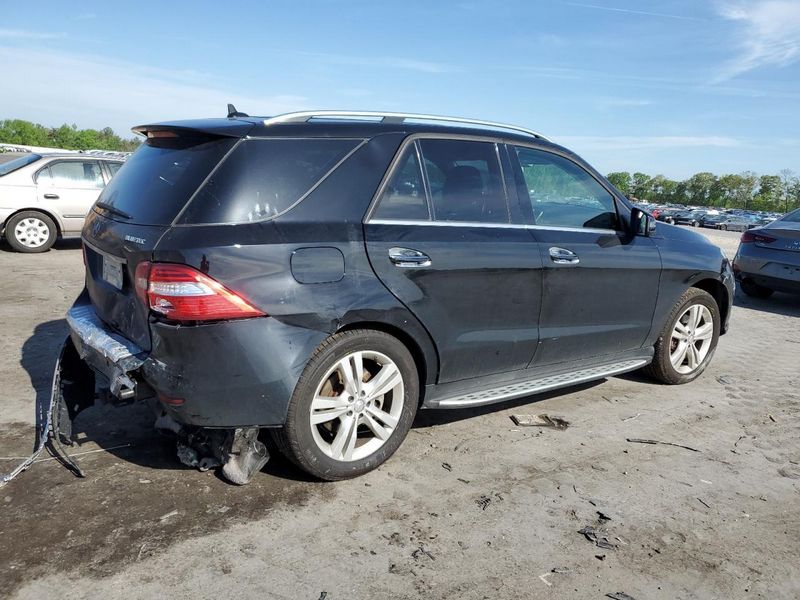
x,y
471,506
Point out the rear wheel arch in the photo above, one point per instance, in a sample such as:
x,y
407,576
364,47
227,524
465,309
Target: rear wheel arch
x,y
427,362
52,215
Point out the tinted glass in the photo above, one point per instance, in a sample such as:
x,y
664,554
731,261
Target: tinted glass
x,y
562,194
264,177
161,176
792,217
72,174
113,167
18,163
404,197
465,180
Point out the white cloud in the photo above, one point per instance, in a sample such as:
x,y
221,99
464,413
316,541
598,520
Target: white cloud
x,y
52,88
771,34
21,34
385,62
617,143
631,11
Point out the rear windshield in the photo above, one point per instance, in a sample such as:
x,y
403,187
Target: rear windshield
x,y
18,163
792,217
263,178
158,179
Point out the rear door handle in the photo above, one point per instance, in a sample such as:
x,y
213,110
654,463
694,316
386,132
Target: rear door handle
x,y
562,256
408,258
51,196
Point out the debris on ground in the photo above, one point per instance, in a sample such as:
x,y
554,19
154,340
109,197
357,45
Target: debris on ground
x,y
600,556
601,516
422,551
700,500
636,416
642,441
447,466
540,421
620,596
594,536
725,380
559,570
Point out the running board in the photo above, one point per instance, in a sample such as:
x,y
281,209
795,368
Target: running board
x,y
534,386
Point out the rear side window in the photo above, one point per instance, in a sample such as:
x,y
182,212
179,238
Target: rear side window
x,y
263,178
113,167
404,196
466,182
72,174
161,176
562,194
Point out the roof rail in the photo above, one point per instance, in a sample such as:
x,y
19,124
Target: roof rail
x,y
392,117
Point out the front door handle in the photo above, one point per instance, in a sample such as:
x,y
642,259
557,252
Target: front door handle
x,y
408,257
562,256
51,196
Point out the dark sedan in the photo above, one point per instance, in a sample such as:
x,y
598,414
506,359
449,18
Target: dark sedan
x,y
768,258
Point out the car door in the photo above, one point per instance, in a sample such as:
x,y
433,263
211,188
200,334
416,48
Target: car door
x,y
600,284
440,238
69,187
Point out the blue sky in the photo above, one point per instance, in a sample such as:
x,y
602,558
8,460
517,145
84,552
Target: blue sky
x,y
668,86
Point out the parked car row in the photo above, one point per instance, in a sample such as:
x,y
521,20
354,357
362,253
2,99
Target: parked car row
x,y
724,219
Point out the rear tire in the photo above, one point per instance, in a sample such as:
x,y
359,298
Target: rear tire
x,y
752,289
352,406
688,341
31,231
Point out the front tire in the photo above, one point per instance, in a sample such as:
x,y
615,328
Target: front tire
x,y
352,406
689,339
31,231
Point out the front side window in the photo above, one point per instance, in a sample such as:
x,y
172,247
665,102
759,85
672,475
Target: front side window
x,y
465,179
404,197
263,178
72,174
562,194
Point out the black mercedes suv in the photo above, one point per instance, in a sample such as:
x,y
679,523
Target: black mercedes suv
x,y
322,275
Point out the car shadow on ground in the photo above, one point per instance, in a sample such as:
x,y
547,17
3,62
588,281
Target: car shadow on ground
x,y
779,303
435,417
61,244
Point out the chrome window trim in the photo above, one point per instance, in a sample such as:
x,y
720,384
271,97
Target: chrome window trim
x,y
474,224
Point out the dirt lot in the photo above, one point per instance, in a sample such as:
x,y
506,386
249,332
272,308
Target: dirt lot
x,y
470,507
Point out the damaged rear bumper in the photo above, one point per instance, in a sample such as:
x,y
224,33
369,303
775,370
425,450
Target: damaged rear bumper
x,y
105,352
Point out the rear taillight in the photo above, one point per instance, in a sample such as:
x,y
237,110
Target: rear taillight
x,y
748,237
181,293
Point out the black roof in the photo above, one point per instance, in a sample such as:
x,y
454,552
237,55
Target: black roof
x,y
338,127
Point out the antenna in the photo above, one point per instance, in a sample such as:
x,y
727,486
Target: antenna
x,y
233,113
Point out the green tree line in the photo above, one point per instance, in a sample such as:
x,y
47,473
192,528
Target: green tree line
x,y
748,190
25,133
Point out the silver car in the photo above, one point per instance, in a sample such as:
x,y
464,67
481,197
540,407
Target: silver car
x,y
768,258
47,196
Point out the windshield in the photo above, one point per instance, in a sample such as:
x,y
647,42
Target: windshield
x,y
156,182
18,163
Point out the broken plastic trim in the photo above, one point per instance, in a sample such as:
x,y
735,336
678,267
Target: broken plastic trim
x,y
49,427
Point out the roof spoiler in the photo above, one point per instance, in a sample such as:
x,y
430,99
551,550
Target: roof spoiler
x,y
195,128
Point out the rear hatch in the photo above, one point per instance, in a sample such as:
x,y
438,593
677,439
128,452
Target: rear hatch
x,y
133,213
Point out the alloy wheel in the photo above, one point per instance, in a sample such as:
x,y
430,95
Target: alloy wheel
x,y
691,339
357,405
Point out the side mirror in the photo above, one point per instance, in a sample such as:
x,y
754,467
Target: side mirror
x,y
641,222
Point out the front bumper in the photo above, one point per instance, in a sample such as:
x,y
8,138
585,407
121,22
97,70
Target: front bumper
x,y
228,374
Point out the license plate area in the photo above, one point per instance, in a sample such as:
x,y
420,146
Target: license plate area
x,y
112,272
